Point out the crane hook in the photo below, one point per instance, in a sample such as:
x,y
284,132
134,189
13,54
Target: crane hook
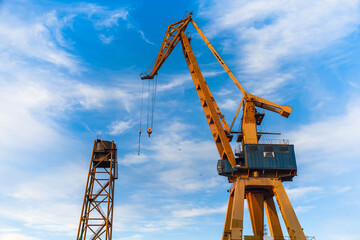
x,y
149,131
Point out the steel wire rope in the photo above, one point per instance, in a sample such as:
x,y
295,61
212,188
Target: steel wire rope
x,y
153,101
148,106
141,110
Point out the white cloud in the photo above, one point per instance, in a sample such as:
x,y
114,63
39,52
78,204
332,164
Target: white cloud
x,y
172,154
47,187
269,34
195,212
39,94
190,179
229,104
182,79
302,192
142,34
132,237
106,40
49,196
20,38
335,138
303,209
133,159
113,18
120,127
16,236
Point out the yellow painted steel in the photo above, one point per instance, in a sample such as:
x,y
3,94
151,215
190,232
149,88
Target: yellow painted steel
x,y
273,219
259,190
221,61
248,126
208,103
237,213
175,33
237,112
292,223
255,201
171,39
227,230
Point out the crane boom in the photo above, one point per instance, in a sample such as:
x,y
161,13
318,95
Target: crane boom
x,y
208,103
171,39
219,127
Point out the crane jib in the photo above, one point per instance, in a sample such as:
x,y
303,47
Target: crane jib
x,y
220,130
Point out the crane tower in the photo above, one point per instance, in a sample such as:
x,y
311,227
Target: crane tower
x,y
96,220
258,170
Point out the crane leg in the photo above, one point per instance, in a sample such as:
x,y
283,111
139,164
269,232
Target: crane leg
x,y
233,228
227,231
255,201
292,223
273,219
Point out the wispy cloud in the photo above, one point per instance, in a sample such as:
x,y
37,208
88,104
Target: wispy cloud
x,y
195,212
303,209
42,196
33,40
106,39
302,192
178,80
120,127
42,85
113,18
142,34
273,33
326,141
229,104
17,236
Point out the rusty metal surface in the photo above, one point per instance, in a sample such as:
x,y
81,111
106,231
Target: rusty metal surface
x,y
97,210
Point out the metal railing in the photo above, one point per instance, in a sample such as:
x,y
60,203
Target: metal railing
x,y
274,141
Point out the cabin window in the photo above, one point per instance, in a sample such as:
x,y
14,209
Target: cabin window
x,y
268,148
253,148
269,154
283,149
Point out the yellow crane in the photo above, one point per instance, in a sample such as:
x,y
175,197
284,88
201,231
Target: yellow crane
x,y
258,170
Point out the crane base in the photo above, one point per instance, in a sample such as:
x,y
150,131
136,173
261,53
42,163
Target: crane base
x,y
259,193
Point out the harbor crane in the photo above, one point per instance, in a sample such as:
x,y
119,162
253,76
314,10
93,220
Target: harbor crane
x,y
258,170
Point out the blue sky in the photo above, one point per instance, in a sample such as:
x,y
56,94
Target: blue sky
x,y
69,72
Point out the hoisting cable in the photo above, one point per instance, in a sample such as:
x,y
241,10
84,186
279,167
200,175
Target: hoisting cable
x,y
141,108
153,101
149,130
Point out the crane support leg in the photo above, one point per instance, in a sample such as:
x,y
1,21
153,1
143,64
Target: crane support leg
x,y
227,231
292,223
255,201
273,219
233,228
259,192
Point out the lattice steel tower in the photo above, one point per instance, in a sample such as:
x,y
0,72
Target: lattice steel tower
x,y
96,218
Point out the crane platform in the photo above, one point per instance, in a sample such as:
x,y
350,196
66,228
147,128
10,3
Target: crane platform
x,y
262,160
